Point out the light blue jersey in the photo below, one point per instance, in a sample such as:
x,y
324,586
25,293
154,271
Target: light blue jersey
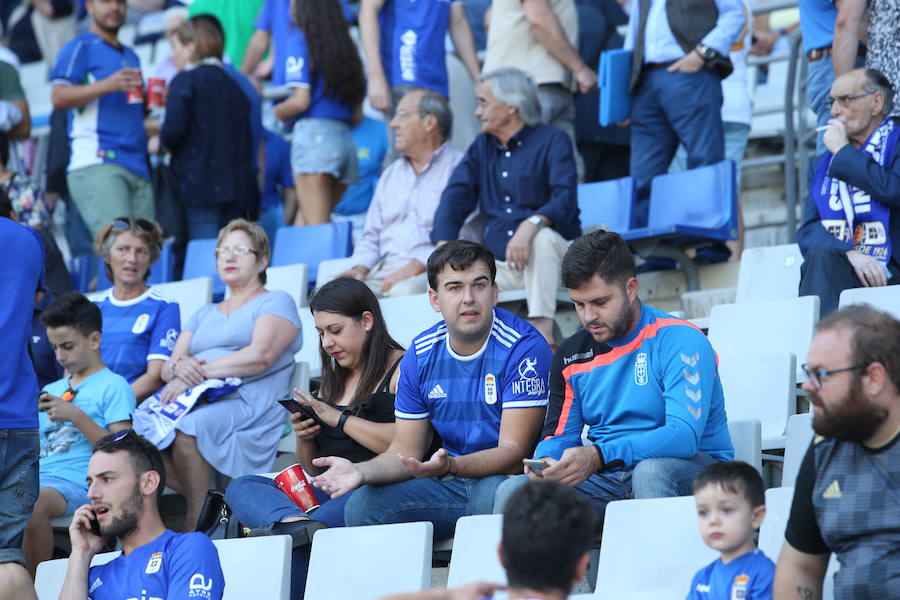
x,y
465,396
174,566
65,452
747,577
137,331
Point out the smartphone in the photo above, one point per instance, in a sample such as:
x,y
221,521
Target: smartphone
x,y
41,397
95,526
292,406
537,466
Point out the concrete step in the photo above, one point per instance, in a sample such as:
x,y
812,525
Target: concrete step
x,y
697,305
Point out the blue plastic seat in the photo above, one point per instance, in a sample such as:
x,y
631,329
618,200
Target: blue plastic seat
x,y
607,204
312,244
160,271
200,261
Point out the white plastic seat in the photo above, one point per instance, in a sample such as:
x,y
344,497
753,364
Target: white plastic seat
x,y
778,510
408,316
799,435
256,567
885,298
474,555
769,273
330,268
651,548
292,279
363,563
745,436
190,294
764,328
309,351
760,387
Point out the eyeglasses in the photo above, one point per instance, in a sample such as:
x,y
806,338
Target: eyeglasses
x,y
238,251
845,101
130,222
816,377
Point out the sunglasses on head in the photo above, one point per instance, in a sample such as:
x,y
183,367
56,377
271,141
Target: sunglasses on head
x,y
124,433
132,222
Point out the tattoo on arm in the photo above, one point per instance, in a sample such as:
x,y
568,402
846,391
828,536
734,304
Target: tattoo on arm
x,y
804,593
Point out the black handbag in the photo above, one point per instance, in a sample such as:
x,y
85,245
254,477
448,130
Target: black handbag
x,y
217,520
167,200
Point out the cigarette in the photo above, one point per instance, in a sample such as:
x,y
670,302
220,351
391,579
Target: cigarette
x,y
823,127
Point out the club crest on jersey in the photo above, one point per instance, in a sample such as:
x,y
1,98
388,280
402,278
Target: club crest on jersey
x,y
739,587
490,389
140,324
154,563
640,369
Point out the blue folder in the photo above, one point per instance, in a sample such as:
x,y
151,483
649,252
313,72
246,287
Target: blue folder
x,y
614,77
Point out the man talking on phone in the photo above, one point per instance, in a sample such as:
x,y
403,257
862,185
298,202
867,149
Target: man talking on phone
x,y
645,383
126,478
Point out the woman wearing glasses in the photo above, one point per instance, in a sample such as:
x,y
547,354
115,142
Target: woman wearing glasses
x,y
253,335
139,324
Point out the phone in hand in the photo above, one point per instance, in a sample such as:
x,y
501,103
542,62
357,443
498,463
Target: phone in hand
x,y
292,406
95,526
41,397
536,466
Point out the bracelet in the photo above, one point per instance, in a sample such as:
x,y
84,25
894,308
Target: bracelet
x,y
343,420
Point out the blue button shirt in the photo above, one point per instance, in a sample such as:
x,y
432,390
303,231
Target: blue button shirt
x,y
298,71
533,174
817,19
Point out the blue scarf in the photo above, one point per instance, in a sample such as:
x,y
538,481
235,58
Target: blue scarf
x,y
851,214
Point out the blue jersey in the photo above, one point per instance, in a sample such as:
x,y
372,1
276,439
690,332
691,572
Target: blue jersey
x,y
174,566
654,392
465,396
108,129
20,274
412,43
136,331
747,577
817,19
299,71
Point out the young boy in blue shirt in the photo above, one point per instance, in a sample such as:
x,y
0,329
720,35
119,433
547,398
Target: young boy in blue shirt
x,y
730,507
76,411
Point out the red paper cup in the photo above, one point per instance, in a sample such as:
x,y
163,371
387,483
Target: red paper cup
x,y
293,483
156,92
135,95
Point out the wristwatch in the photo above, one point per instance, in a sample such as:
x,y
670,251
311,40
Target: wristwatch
x,y
705,52
535,220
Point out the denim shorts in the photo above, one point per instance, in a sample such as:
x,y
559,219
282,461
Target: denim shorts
x,y
19,453
75,494
324,146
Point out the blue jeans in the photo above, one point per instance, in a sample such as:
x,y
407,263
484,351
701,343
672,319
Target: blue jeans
x,y
19,453
440,502
257,501
650,478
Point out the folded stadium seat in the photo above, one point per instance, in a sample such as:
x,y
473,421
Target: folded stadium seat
x,y
769,273
190,294
291,279
474,556
607,205
799,435
160,271
688,209
408,316
200,261
257,567
651,549
766,327
385,559
329,269
309,351
885,298
312,244
761,387
745,436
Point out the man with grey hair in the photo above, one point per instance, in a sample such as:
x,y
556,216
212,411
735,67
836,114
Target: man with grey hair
x,y
521,175
394,248
851,219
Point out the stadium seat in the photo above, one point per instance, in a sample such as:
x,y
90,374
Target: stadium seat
x,y
764,328
330,268
312,244
688,209
200,261
607,205
886,298
745,435
36,84
368,562
257,567
190,294
799,435
769,273
408,316
761,387
474,555
309,351
291,279
778,509
160,271
651,548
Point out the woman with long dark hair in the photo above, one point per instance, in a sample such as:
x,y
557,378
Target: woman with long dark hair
x,y
324,69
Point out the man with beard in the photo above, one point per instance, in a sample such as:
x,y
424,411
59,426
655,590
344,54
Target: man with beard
x,y
847,495
126,478
644,382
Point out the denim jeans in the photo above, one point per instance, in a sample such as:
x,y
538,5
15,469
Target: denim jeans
x,y
440,502
19,452
650,478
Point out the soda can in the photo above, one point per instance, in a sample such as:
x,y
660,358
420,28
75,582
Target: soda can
x,y
292,481
156,92
135,95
